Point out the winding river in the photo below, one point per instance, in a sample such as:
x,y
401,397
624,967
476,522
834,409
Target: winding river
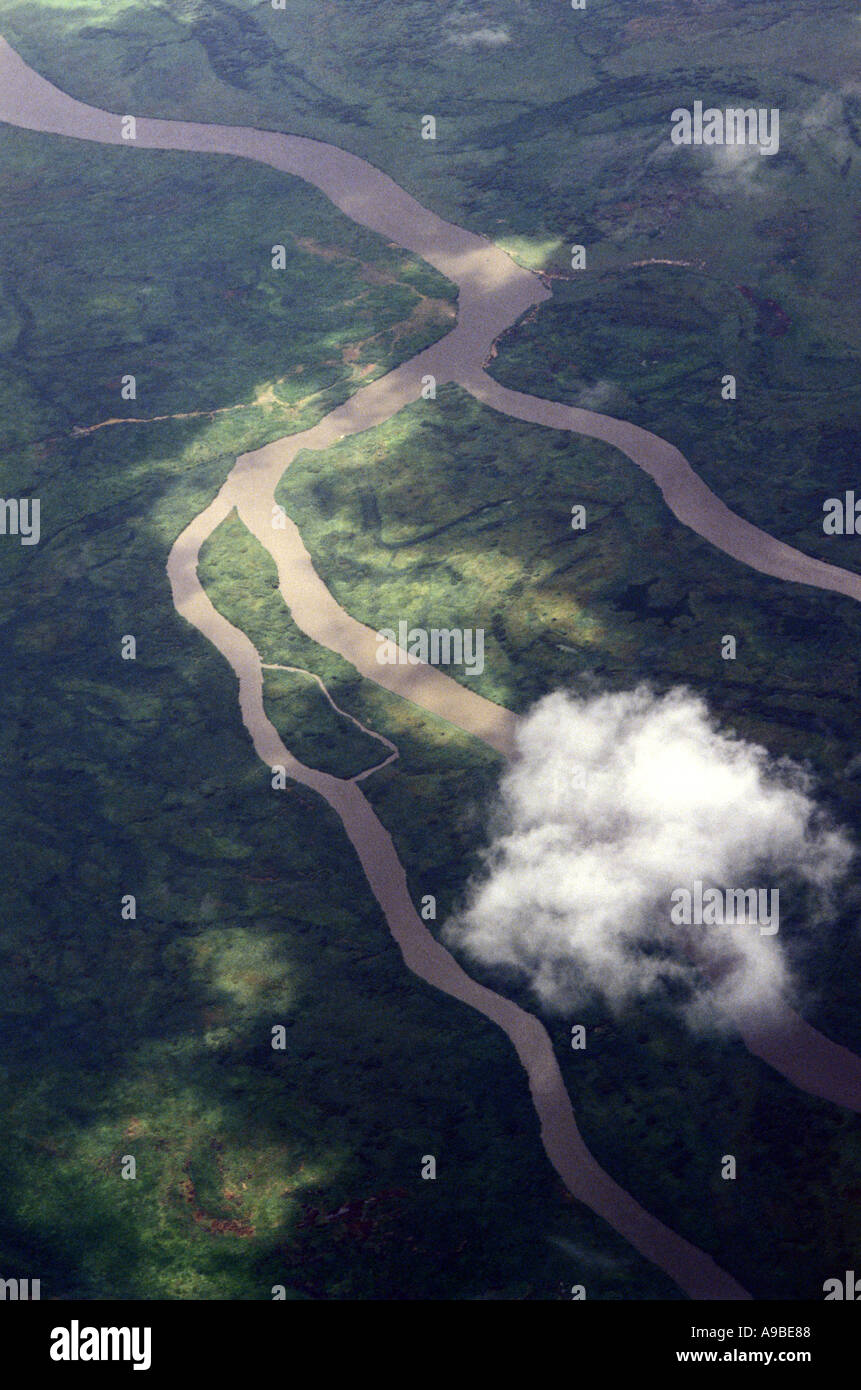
x,y
493,293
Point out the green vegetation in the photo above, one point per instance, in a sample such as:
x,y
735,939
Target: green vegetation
x,y
172,282
451,510
319,736
545,136
558,133
633,597
653,346
151,1037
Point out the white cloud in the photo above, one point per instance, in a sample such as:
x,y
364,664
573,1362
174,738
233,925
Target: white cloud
x,y
486,37
824,114
612,802
725,169
825,124
596,396
737,168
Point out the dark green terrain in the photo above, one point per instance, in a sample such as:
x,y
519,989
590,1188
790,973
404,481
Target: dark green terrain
x,y
151,1037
